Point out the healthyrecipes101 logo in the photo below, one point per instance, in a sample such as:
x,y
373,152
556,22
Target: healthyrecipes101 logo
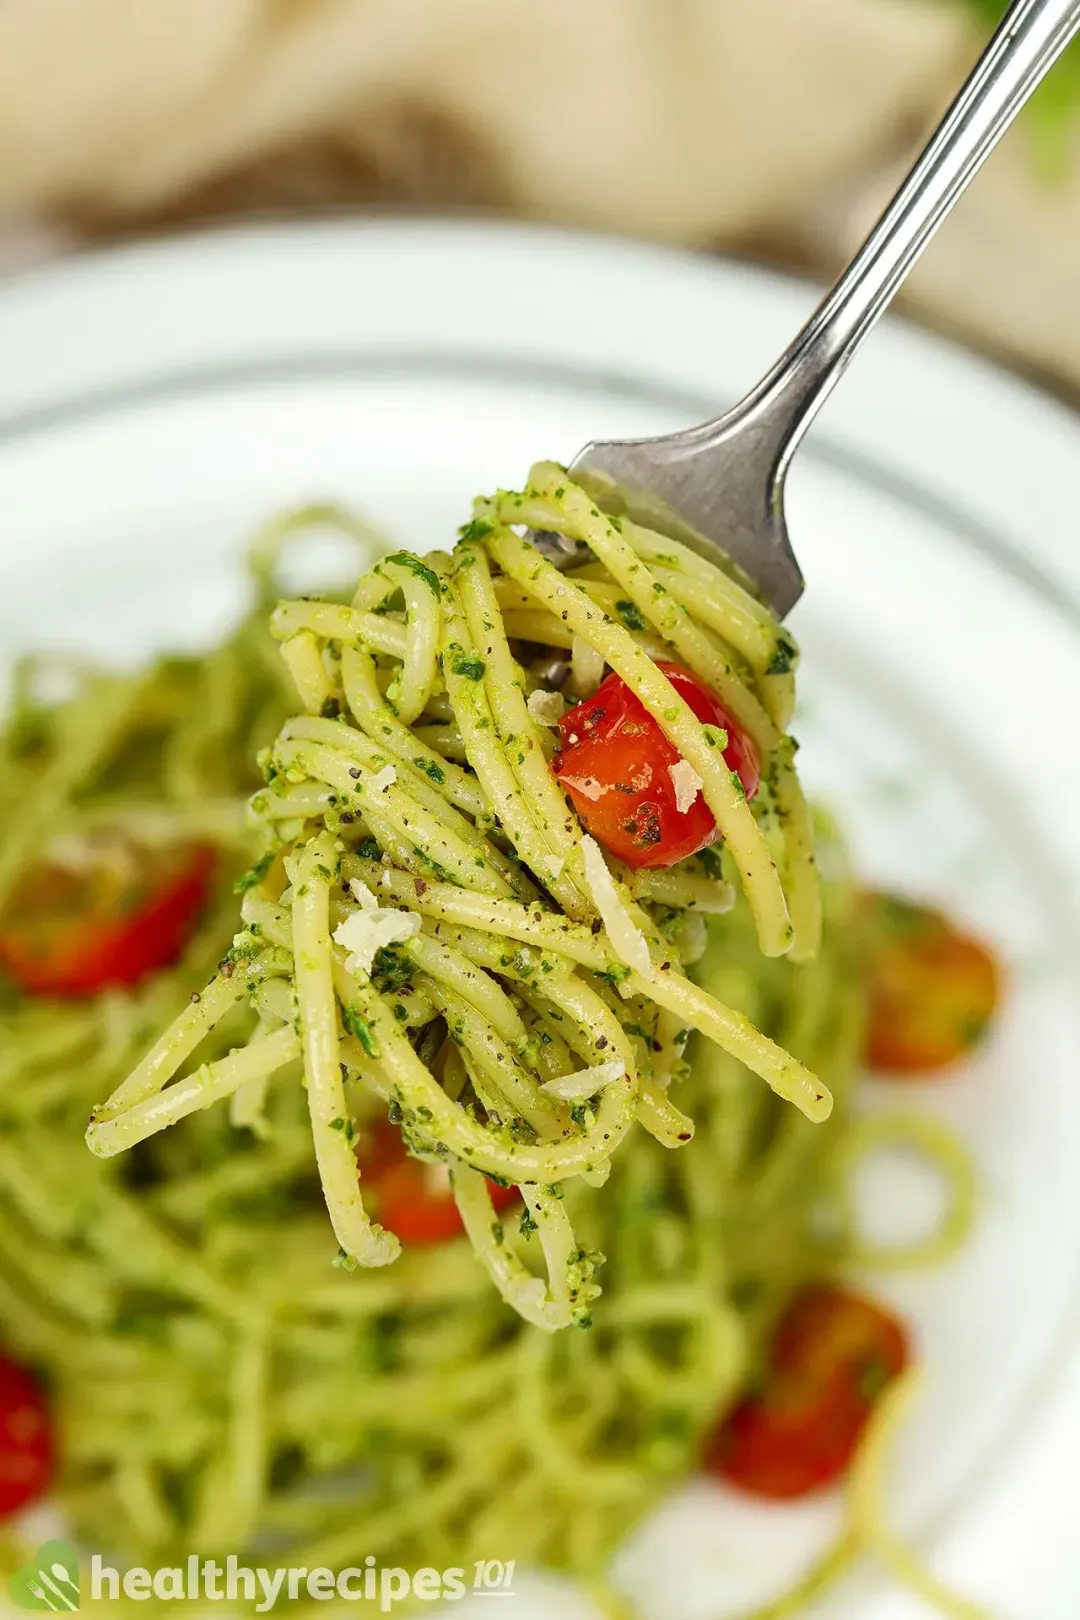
x,y
51,1581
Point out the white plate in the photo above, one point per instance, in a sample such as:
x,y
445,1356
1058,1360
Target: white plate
x,y
155,403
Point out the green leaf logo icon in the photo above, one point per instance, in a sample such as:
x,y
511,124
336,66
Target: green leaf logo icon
x,y
49,1581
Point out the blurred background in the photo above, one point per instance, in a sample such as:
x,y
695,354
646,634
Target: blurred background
x,y
766,128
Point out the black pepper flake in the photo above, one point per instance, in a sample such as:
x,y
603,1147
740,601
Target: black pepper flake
x,y
354,771
226,968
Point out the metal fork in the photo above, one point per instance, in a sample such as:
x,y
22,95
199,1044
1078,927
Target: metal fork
x,y
721,485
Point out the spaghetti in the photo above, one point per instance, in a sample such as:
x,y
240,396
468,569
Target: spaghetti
x,y
390,866
215,1380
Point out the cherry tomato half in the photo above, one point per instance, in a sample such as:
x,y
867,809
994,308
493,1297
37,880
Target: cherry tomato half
x,y
410,1198
615,763
831,1355
26,1443
933,989
121,914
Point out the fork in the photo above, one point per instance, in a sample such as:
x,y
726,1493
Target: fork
x,y
720,487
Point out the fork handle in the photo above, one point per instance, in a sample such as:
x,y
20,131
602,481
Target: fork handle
x,y
1028,41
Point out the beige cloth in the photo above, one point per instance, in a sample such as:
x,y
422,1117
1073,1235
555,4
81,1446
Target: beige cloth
x,y
738,122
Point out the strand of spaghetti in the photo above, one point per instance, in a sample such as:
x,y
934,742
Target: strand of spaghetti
x,y
570,1268
785,1075
269,541
517,730
412,1008
359,1238
266,921
464,671
308,802
669,1043
420,1095
412,685
332,622
529,969
802,885
444,742
364,1070
439,707
412,778
549,1307
720,1345
541,626
679,888
405,856
179,1041
934,1141
371,793
302,657
865,1494
462,1073
552,1054
207,1086
700,745
375,717
521,964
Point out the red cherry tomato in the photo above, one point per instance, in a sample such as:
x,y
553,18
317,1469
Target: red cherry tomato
x,y
412,1199
27,1455
72,932
933,989
615,761
831,1355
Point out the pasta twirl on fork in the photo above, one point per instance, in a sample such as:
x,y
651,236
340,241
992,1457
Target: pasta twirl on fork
x,y
434,920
